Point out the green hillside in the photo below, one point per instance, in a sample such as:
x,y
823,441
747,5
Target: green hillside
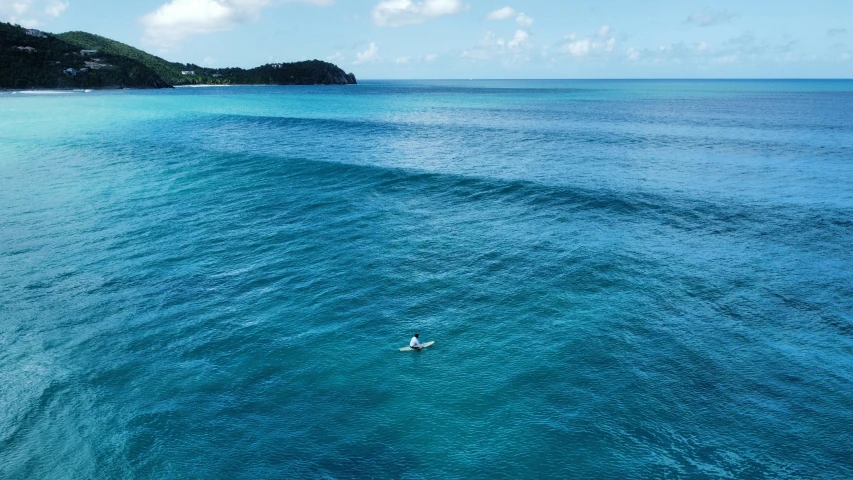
x,y
45,61
298,73
170,72
85,60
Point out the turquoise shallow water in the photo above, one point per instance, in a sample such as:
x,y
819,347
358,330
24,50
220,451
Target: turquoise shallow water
x,y
644,279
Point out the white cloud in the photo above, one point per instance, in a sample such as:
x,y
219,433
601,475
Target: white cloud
x,y
491,40
337,57
18,8
208,61
371,55
845,56
520,39
601,44
179,19
513,52
55,9
523,20
578,48
395,13
504,13
31,13
744,48
708,18
405,60
12,10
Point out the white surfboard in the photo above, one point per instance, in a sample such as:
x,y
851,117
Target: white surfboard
x,y
423,345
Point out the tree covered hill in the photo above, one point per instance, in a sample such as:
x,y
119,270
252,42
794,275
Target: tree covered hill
x,y
39,60
83,60
299,73
170,72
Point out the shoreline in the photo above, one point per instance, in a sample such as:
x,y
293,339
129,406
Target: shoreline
x,y
207,85
47,91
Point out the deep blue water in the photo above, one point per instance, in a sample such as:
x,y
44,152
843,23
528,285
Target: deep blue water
x,y
648,279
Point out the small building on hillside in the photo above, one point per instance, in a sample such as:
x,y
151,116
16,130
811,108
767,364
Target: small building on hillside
x,y
70,71
88,53
27,49
217,75
96,65
187,72
35,33
276,65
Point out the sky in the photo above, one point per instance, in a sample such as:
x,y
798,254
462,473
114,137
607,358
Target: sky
x,y
398,39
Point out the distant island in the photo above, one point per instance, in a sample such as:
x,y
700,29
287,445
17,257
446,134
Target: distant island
x,y
31,59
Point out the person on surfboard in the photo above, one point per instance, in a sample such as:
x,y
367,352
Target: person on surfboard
x,y
415,344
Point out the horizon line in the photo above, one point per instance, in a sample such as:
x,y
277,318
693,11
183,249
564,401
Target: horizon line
x,y
620,79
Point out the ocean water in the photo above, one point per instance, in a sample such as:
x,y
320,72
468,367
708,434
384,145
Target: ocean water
x,y
624,279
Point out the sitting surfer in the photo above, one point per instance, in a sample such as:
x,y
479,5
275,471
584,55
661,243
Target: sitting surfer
x,y
415,344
